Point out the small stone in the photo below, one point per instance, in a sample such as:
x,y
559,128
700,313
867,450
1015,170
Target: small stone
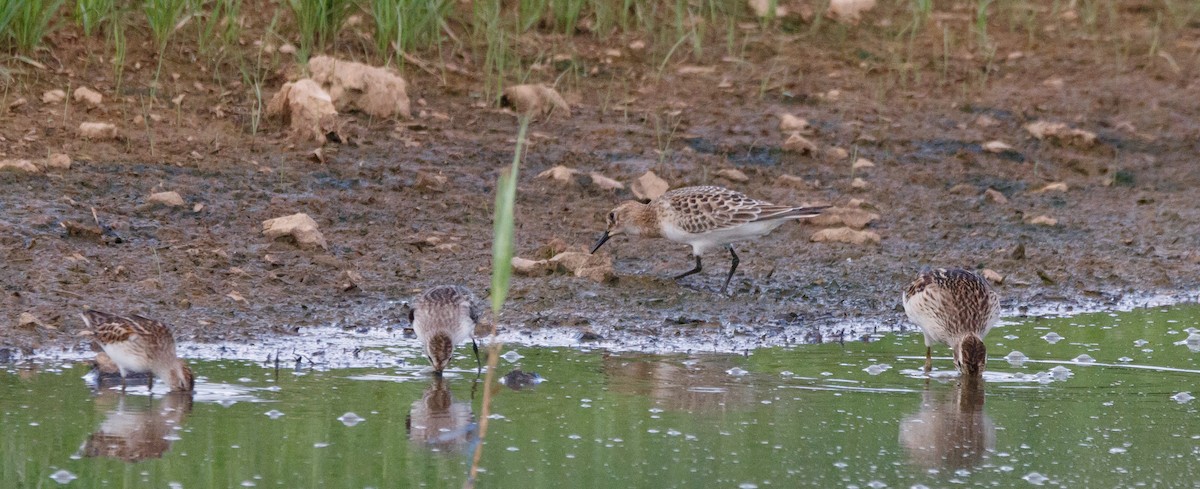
x,y
531,268
853,217
846,235
169,199
993,276
19,165
862,164
995,196
88,96
97,130
1054,187
732,174
789,123
859,184
560,174
793,181
605,183
287,48
799,144
53,96
1061,132
299,226
59,161
1044,220
837,153
985,120
996,147
649,186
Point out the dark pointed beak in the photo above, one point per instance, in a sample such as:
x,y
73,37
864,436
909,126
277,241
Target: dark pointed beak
x,y
600,242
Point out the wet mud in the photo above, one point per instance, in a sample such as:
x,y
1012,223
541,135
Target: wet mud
x,y
408,204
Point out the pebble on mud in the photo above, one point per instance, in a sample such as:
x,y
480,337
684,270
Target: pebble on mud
x,y
846,235
1043,220
537,100
598,268
306,108
796,182
58,161
996,147
605,183
799,144
19,165
649,186
299,226
849,11
169,199
30,321
1053,187
789,123
862,164
88,96
97,130
1061,132
379,92
559,174
844,216
837,153
531,268
859,184
995,196
53,96
732,174
992,276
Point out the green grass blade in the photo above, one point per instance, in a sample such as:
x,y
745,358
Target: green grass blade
x,y
502,242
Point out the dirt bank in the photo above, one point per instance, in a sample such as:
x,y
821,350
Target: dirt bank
x,y
1126,223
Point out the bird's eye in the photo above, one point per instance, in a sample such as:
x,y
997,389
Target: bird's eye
x,y
612,216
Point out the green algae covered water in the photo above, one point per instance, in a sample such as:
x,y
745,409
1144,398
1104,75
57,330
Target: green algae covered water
x,y
1094,400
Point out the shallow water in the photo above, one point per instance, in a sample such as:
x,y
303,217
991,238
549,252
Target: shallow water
x,y
833,415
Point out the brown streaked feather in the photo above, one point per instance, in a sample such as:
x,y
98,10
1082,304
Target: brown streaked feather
x,y
710,208
441,349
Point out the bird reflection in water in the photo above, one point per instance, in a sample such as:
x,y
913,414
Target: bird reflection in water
x,y
695,385
951,430
437,422
136,427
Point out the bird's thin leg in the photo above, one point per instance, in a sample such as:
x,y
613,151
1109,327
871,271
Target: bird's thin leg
x,y
478,364
150,382
122,382
732,267
692,271
928,359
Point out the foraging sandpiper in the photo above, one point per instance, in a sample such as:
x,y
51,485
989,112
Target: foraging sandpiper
x,y
954,307
139,344
443,317
703,217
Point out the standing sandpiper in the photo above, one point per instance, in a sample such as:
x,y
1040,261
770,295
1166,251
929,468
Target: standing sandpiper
x,y
954,307
443,317
704,217
139,344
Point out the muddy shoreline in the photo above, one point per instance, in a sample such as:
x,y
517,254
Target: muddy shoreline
x,y
407,204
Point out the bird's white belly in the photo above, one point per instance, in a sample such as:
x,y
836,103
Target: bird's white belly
x,y
702,242
127,358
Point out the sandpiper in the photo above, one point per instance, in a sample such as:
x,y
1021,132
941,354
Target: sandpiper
x,y
139,344
443,317
954,307
703,217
